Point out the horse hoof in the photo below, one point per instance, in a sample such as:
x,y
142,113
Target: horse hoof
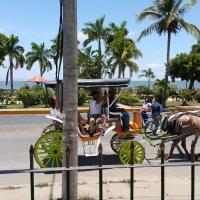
x,y
167,157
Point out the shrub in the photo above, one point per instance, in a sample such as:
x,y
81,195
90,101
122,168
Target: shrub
x,y
197,96
128,99
82,96
36,95
186,95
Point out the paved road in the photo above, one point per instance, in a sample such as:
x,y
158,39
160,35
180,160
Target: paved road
x,y
18,132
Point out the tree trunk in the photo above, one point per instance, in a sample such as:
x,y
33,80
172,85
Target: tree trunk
x,y
167,69
149,85
119,71
191,84
99,63
11,78
70,99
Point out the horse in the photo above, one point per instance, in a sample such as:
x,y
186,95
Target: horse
x,y
181,124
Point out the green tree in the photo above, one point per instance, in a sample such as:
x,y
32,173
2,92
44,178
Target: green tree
x,y
87,59
148,73
122,49
56,51
15,56
186,67
196,47
168,19
3,47
41,55
158,89
96,32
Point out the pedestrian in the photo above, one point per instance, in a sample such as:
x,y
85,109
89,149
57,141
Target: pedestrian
x,y
156,109
146,107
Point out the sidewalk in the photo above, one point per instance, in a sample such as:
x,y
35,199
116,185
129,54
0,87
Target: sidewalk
x,y
85,109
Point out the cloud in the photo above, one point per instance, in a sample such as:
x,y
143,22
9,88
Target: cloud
x,y
131,33
81,37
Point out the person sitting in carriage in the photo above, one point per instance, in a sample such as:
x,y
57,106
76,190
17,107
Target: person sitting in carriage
x,y
125,117
95,112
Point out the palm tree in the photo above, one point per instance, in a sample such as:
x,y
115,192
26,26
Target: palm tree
x,y
148,74
56,53
15,56
95,32
39,54
168,19
70,99
122,49
3,47
87,63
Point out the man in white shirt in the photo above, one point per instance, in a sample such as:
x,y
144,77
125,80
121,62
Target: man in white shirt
x,y
95,111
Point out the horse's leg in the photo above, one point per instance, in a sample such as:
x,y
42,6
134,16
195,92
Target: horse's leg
x,y
193,145
183,144
175,142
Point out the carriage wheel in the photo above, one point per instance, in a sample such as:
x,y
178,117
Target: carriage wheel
x,y
125,153
116,143
149,126
49,128
48,150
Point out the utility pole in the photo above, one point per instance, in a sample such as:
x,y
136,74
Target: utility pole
x,y
70,91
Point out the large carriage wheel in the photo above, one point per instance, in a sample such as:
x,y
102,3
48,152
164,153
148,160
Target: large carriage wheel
x,y
48,150
49,128
116,142
125,153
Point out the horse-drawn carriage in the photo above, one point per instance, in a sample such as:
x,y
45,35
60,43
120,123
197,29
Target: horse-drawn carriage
x,y
48,148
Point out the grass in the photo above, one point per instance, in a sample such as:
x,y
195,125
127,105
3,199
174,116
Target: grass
x,y
21,106
179,103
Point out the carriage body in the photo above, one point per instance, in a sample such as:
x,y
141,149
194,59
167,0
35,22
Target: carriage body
x,y
48,148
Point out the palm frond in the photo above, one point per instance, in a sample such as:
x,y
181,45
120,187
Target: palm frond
x,y
147,31
190,28
186,6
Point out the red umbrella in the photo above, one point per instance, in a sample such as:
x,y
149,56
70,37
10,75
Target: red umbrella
x,y
37,79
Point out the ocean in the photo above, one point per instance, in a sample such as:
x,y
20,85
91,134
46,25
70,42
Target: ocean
x,y
179,84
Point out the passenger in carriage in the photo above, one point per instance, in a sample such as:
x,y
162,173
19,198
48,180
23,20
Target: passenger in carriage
x,y
55,110
82,122
113,108
95,111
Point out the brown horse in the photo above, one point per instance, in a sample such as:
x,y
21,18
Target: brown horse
x,y
182,124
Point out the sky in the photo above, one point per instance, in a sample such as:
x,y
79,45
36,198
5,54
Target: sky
x,y
37,21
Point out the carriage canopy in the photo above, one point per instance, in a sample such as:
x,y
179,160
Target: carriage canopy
x,y
93,83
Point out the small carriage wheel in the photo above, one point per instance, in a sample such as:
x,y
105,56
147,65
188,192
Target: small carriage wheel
x,y
125,153
49,128
48,150
116,142
148,127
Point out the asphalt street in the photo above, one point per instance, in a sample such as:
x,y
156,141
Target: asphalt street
x,y
18,132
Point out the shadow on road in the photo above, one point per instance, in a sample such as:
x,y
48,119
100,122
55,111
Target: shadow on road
x,y
93,160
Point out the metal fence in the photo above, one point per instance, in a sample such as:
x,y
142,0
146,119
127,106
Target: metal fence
x,y
101,167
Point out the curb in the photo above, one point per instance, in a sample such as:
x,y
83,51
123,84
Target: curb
x,y
84,110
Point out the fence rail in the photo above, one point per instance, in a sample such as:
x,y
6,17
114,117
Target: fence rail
x,y
100,168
